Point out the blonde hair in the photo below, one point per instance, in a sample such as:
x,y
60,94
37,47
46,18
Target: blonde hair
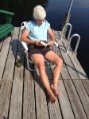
x,y
39,12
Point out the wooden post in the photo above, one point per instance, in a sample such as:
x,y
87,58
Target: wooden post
x,y
67,17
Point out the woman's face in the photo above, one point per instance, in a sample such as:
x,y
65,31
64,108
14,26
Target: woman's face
x,y
39,22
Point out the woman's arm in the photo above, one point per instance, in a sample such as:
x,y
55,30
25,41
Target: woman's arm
x,y
52,36
24,38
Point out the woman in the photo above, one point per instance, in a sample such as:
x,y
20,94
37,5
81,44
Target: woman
x,y
36,31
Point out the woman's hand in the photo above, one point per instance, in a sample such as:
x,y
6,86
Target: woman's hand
x,y
51,42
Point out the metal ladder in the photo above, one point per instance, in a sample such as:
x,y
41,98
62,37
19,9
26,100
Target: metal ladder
x,y
70,30
77,44
70,38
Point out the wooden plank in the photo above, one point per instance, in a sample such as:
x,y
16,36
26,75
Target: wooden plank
x,y
1,44
17,89
9,69
4,51
3,55
86,85
29,98
77,107
78,67
41,104
64,102
64,72
17,93
54,111
14,42
82,95
76,63
5,90
15,33
69,64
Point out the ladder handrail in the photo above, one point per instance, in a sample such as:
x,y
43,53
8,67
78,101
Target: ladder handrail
x,y
70,30
77,44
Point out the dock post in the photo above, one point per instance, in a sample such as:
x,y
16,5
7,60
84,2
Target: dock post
x,y
67,17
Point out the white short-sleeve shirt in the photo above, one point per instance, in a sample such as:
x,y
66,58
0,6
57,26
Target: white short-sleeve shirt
x,y
38,32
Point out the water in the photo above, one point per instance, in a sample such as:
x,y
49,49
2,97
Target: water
x,y
56,10
80,21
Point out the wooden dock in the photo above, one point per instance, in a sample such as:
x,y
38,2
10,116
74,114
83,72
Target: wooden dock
x,y
22,95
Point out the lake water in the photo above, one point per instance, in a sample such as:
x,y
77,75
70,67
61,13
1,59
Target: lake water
x,y
80,21
56,10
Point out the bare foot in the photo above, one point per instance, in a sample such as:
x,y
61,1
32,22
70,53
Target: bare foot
x,y
55,90
52,97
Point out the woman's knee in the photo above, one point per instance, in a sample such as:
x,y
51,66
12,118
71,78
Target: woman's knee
x,y
59,62
40,65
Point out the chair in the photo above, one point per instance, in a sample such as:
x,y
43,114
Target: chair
x,y
6,27
25,46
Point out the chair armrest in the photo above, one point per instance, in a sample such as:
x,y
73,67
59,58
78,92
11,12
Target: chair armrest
x,y
56,44
6,12
8,15
24,46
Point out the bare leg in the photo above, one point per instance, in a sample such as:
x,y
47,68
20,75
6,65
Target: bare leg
x,y
38,60
54,58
